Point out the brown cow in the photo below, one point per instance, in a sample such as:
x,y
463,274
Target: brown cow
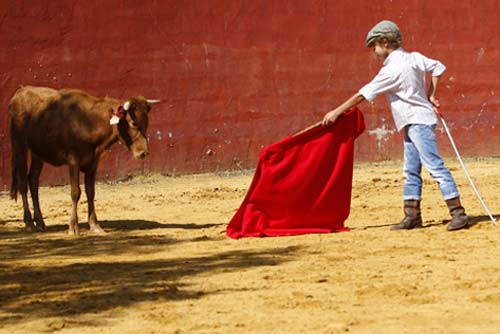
x,y
71,127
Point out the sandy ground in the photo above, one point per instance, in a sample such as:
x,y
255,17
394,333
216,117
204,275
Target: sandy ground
x,y
166,265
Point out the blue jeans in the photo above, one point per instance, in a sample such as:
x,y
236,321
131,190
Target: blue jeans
x,y
420,148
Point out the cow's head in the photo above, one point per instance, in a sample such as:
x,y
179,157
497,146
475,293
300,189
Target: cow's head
x,y
133,125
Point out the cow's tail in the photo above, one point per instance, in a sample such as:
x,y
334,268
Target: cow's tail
x,y
13,187
14,166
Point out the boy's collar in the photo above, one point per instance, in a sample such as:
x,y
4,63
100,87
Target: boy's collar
x,y
400,49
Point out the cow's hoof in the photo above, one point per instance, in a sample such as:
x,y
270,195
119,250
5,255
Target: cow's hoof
x,y
40,224
97,230
73,232
30,228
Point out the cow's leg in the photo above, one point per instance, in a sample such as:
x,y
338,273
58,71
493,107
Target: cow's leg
x,y
74,176
35,170
90,191
20,173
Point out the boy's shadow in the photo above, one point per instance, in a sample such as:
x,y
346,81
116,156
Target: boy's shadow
x,y
474,220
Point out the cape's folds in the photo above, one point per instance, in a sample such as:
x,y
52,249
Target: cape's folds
x,y
302,183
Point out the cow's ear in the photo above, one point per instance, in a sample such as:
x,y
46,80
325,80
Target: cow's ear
x,y
116,115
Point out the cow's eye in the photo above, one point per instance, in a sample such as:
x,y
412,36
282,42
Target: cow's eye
x,y
133,124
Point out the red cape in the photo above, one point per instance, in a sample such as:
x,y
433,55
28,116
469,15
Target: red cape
x,y
302,183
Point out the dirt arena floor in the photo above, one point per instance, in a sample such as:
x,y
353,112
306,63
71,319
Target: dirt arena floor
x,y
166,265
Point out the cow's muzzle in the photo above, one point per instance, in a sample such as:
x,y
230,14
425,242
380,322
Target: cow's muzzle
x,y
141,155
140,148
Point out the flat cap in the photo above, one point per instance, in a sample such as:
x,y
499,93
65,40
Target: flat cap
x,y
382,28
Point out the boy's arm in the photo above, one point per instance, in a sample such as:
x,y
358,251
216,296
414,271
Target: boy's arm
x,y
332,115
432,91
437,69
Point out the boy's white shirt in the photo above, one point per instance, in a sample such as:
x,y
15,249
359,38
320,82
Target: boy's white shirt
x,y
402,78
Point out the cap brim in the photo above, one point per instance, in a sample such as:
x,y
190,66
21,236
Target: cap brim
x,y
370,41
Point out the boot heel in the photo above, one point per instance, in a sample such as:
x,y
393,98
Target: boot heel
x,y
412,219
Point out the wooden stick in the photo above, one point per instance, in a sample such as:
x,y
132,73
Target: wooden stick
x,y
308,128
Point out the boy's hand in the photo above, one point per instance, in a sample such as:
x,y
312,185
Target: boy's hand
x,y
434,101
331,117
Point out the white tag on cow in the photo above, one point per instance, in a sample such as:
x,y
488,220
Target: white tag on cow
x,y
114,120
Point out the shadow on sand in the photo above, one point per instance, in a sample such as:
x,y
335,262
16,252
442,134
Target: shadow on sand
x,y
99,286
108,226
474,220
77,280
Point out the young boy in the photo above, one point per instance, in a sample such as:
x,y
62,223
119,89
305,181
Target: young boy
x,y
402,79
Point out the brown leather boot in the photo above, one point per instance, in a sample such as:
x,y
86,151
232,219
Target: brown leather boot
x,y
459,219
412,219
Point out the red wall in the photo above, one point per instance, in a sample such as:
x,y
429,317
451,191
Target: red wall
x,y
236,75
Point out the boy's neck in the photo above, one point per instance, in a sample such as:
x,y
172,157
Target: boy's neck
x,y
389,51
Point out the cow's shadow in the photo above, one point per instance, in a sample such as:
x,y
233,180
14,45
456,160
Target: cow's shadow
x,y
127,225
109,226
8,221
132,225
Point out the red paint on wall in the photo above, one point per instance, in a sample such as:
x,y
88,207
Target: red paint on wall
x,y
236,75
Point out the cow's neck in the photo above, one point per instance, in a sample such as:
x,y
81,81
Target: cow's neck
x,y
113,135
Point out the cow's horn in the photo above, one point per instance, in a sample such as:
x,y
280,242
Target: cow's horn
x,y
152,101
126,106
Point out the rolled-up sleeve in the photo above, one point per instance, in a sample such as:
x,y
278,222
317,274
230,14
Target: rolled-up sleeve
x,y
434,66
383,82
